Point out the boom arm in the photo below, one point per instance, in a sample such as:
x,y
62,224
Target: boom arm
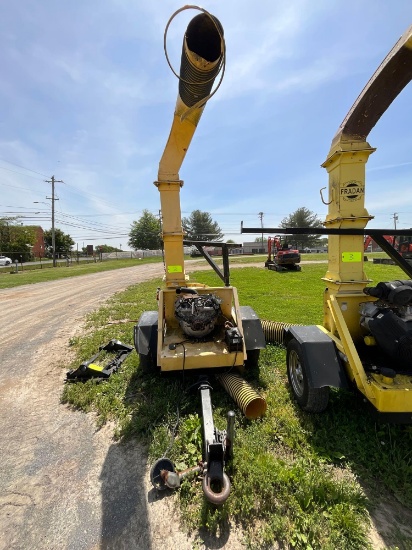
x,y
201,61
391,77
346,164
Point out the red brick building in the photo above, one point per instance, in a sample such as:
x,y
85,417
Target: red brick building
x,y
38,247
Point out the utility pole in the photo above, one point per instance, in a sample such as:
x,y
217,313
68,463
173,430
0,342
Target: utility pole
x,y
261,225
395,218
53,199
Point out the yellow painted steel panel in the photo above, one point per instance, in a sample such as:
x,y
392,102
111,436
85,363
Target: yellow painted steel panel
x,y
351,256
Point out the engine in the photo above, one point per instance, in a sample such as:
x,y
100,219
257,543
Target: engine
x,y
389,319
197,313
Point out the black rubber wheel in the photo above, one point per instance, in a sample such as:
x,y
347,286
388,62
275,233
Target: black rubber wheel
x,y
163,464
310,399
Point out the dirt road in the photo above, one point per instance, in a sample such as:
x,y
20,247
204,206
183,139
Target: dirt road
x,y
64,485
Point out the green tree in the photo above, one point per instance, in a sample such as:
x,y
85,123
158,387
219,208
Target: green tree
x,y
302,217
145,233
63,243
5,235
199,226
16,240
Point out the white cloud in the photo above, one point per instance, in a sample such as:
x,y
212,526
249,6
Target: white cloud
x,y
87,95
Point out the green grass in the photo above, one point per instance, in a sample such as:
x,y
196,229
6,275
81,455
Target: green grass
x,y
31,274
308,481
35,274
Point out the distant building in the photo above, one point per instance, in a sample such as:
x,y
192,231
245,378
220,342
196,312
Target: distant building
x,y
255,247
38,247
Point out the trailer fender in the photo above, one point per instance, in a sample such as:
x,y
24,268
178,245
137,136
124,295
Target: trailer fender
x,y
252,329
145,333
323,364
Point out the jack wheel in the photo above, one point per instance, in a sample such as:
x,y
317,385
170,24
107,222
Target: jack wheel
x,y
310,399
162,465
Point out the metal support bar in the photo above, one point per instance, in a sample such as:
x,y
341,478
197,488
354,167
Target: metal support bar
x,y
324,231
376,234
207,415
225,276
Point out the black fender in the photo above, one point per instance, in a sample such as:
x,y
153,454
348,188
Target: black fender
x,y
145,333
323,365
252,329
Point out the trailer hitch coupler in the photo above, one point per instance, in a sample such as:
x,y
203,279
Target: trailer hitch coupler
x,y
216,497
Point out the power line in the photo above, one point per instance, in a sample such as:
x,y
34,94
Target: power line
x,y
15,171
24,168
100,215
97,230
17,186
85,193
14,206
98,238
92,223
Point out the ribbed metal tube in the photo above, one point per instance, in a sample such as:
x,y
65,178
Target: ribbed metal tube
x,y
274,332
202,40
250,402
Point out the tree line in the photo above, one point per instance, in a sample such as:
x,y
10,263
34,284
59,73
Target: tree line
x,y
146,232
17,241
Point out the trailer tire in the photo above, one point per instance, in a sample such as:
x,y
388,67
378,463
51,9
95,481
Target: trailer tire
x,y
310,399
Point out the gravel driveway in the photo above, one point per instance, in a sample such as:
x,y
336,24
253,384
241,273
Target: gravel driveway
x,y
64,485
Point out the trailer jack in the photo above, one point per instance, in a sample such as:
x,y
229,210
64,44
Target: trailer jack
x,y
218,447
89,369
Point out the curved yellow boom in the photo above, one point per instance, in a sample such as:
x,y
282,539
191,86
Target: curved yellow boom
x,y
201,61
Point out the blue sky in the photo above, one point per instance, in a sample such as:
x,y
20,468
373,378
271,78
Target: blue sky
x,y
87,96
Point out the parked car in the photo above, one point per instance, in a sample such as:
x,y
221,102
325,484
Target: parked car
x,y
4,260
